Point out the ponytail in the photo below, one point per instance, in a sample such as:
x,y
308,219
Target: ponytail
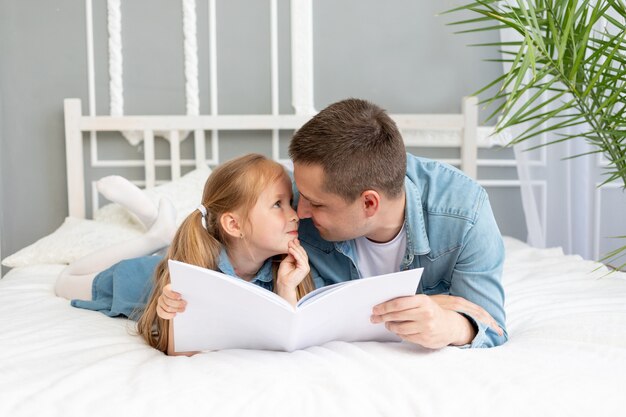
x,y
192,244
305,287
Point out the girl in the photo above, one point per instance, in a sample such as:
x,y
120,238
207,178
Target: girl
x,y
245,219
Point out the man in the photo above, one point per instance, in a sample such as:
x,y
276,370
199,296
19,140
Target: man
x,y
367,208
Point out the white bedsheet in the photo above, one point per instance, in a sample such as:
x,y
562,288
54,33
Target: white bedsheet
x,y
566,357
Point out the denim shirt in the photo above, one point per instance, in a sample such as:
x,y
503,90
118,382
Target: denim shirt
x,y
451,233
263,277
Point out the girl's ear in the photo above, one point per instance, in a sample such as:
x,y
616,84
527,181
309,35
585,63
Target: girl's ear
x,y
231,225
371,202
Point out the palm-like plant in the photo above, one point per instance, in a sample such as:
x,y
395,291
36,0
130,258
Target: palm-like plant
x,y
576,51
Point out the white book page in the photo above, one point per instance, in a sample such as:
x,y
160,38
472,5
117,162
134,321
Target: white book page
x,y
344,312
226,312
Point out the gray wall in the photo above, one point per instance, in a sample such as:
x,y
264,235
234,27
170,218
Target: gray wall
x,y
397,54
42,61
1,176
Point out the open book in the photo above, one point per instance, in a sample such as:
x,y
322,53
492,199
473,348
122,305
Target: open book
x,y
224,312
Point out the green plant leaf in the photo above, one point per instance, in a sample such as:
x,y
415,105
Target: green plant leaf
x,y
563,51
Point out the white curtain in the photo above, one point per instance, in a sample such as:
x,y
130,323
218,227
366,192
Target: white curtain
x,y
557,193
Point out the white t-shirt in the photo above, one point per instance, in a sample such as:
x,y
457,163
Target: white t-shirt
x,y
380,258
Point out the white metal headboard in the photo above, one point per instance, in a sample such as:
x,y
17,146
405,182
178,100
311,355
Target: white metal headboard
x,y
466,123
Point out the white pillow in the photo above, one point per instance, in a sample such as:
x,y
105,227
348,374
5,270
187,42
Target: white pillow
x,y
74,239
185,194
112,224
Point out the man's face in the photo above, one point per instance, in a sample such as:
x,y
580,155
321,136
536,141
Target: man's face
x,y
334,218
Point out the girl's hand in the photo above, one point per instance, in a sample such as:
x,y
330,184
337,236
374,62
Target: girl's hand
x,y
292,270
294,267
170,303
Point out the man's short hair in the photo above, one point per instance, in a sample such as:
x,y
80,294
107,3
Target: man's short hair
x,y
359,147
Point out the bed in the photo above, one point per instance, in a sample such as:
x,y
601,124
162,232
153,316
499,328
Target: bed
x,y
566,356
566,319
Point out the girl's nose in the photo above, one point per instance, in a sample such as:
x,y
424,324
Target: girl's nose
x,y
293,216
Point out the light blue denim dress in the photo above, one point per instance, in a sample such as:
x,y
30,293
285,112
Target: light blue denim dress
x,y
124,288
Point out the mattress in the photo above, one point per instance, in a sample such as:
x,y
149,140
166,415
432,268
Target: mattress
x,y
566,356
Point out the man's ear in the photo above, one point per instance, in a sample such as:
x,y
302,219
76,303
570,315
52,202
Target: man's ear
x,y
371,202
231,225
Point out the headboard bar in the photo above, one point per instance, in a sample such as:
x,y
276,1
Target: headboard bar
x,y
469,148
175,154
199,147
251,122
76,124
148,156
206,122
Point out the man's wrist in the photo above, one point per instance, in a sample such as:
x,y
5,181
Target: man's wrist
x,y
465,329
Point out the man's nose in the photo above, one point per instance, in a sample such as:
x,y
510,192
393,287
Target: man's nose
x,y
304,209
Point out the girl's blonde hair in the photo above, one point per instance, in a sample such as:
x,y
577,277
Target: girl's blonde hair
x,y
234,185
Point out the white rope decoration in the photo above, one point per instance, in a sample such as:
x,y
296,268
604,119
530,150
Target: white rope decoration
x,y
116,86
191,57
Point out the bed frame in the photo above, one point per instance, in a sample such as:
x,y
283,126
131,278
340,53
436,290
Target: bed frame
x,y
175,127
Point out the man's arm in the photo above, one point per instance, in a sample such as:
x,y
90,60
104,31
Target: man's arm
x,y
475,288
477,277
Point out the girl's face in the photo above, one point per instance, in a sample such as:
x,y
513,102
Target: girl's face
x,y
272,223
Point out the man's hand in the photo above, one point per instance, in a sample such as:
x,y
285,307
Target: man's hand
x,y
450,302
421,319
170,303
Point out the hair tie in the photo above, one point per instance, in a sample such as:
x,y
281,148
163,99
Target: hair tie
x,y
202,211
